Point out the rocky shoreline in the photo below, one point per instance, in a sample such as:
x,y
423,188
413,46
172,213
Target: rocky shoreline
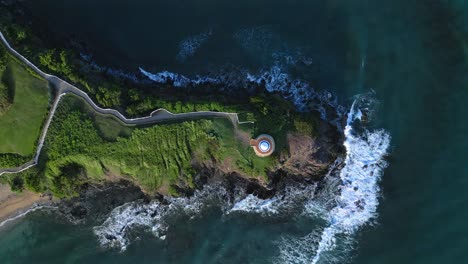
x,y
96,201
307,160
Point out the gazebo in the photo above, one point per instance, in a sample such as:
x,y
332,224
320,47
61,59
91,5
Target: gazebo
x,y
263,145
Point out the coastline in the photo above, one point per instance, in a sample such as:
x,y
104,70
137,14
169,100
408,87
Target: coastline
x,y
13,204
63,87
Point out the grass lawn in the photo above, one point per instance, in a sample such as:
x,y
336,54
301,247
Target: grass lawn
x,y
21,124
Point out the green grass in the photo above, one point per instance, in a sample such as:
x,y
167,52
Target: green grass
x,y
82,146
111,128
155,157
238,152
21,124
152,156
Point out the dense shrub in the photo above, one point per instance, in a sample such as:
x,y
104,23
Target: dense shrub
x,y
11,160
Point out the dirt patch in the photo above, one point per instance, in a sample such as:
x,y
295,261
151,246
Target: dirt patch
x,y
302,152
243,137
227,165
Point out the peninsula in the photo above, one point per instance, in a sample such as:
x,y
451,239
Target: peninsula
x,y
82,143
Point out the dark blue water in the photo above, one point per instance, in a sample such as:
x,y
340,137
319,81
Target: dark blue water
x,y
410,55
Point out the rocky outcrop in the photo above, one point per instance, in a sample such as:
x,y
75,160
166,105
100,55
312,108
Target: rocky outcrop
x,y
96,201
307,161
312,156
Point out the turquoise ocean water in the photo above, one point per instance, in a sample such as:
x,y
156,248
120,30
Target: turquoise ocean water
x,y
405,61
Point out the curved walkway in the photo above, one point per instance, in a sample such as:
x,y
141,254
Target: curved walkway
x,y
63,88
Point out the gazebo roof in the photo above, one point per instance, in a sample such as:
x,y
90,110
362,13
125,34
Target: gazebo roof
x,y
263,145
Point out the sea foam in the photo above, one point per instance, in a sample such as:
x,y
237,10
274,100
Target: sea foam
x,y
347,201
289,199
116,230
275,79
155,217
359,190
34,208
348,198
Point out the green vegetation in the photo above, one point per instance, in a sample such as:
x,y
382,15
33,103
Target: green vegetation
x,y
6,96
109,96
149,104
31,179
111,128
77,151
83,146
58,62
272,114
6,87
15,181
23,108
34,179
106,89
233,150
10,160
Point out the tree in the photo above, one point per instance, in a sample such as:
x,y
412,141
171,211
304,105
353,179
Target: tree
x,y
17,184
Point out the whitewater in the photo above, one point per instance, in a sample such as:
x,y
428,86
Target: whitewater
x,y
347,204
348,201
359,189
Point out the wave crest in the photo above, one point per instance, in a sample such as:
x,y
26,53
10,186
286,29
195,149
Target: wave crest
x,y
155,217
359,190
346,200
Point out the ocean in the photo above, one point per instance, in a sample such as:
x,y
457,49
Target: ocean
x,y
397,71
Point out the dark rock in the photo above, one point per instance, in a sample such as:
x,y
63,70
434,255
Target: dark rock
x,y
78,211
250,185
96,201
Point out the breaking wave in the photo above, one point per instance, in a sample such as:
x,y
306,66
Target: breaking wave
x,y
298,91
118,229
359,190
25,213
179,80
346,201
351,198
108,70
287,201
274,79
275,76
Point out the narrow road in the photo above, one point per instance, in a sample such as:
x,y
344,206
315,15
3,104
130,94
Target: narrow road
x,y
63,88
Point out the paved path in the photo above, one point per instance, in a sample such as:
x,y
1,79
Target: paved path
x,y
63,88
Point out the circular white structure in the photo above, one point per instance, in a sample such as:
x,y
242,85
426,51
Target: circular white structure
x,y
264,146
